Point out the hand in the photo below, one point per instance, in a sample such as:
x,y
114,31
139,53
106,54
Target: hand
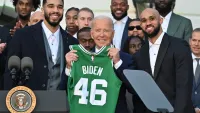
x,y
197,110
2,46
71,56
113,53
17,26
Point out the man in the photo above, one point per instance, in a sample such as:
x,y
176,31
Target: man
x,y
134,29
35,18
168,60
119,11
85,38
23,9
173,24
195,47
121,60
70,18
85,16
4,38
46,44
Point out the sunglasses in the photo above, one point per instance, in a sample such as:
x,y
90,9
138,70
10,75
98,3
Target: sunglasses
x,y
130,28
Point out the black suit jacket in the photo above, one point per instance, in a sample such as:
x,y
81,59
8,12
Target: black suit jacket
x,y
173,73
125,33
5,37
29,42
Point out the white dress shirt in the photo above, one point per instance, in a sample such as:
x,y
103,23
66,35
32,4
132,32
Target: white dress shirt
x,y
166,20
75,35
153,51
53,40
117,65
194,63
119,30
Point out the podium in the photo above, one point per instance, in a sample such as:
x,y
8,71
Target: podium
x,y
47,102
148,91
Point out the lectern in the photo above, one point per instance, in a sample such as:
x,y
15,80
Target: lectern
x,y
47,102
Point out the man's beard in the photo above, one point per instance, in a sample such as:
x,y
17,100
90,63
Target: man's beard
x,y
24,17
54,24
154,33
121,17
164,10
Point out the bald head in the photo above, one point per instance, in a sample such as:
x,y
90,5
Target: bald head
x,y
36,17
151,22
150,11
106,19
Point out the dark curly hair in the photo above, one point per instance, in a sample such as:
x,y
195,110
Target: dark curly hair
x,y
36,3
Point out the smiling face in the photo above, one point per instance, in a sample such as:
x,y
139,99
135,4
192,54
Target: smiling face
x,y
195,43
151,22
119,9
102,32
53,12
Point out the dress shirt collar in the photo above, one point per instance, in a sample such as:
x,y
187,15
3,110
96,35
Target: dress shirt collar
x,y
48,32
193,57
168,16
123,20
158,41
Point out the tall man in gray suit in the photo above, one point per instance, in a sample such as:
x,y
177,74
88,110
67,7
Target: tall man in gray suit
x,y
173,24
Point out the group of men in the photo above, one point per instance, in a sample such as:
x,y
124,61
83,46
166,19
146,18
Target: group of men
x,y
171,62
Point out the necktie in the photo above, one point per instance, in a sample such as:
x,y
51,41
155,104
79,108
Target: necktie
x,y
197,71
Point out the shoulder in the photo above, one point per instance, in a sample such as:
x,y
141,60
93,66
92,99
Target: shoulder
x,y
125,56
68,37
182,18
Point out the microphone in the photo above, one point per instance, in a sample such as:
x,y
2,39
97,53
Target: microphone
x,y
26,67
14,66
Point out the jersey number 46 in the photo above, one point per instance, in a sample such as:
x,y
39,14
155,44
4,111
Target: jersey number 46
x,y
83,82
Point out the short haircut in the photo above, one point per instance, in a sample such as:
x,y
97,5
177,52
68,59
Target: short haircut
x,y
135,19
84,29
86,9
45,1
70,9
102,17
36,3
195,30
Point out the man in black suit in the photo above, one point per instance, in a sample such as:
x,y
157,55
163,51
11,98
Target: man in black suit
x,y
4,38
46,44
119,11
102,32
168,60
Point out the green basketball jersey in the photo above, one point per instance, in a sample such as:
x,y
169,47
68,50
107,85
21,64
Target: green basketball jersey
x,y
93,86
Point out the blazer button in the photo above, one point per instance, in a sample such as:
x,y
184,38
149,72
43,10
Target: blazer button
x,y
195,92
45,66
43,85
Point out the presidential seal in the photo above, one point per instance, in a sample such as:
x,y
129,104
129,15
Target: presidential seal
x,y
20,99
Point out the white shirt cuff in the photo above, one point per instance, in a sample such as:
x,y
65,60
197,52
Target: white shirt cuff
x,y
67,71
118,64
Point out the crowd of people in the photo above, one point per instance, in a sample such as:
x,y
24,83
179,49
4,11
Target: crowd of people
x,y
160,42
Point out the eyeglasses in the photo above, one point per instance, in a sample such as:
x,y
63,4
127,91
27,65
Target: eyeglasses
x,y
130,28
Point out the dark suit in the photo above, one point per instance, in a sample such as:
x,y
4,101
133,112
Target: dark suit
x,y
196,93
125,33
29,42
180,27
173,70
5,37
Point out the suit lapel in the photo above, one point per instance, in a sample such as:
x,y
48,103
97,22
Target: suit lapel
x,y
161,54
173,25
145,57
38,36
125,33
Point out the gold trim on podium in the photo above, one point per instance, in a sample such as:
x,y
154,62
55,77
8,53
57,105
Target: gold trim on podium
x,y
20,99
